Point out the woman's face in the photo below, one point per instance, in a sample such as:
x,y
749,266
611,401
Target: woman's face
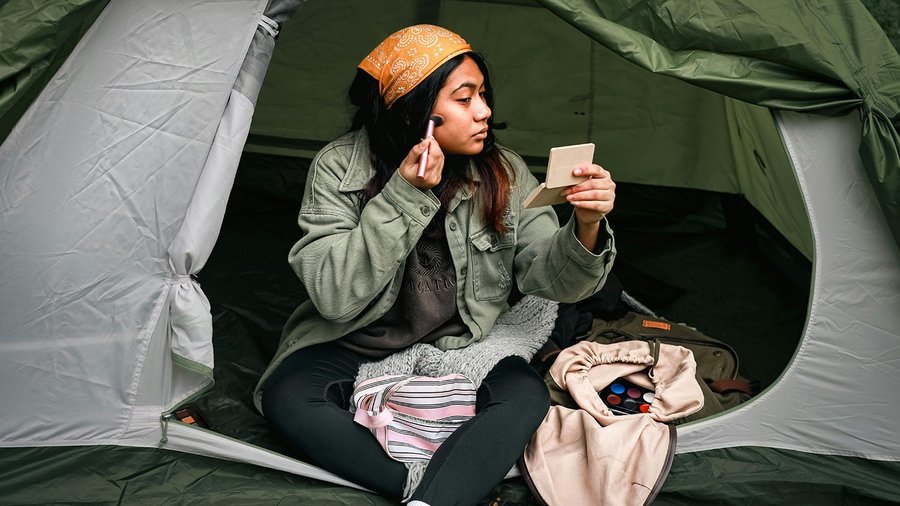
x,y
461,103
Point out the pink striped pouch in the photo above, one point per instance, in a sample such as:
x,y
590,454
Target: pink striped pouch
x,y
412,415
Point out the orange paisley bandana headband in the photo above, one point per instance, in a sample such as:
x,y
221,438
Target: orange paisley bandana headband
x,y
407,57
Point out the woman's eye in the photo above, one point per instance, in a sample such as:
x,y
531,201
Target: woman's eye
x,y
465,100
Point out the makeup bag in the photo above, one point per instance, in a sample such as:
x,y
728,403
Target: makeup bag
x,y
572,459
590,455
586,368
411,416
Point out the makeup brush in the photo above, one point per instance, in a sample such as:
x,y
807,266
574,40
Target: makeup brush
x,y
433,121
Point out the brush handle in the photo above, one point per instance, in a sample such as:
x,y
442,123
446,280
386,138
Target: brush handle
x,y
423,158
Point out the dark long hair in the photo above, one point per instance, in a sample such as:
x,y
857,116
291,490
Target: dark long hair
x,y
393,131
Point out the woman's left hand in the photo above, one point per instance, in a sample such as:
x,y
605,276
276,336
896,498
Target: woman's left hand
x,y
593,199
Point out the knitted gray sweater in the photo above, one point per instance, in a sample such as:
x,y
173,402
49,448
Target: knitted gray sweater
x,y
521,332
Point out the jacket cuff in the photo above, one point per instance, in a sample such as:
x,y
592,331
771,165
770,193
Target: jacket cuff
x,y
606,245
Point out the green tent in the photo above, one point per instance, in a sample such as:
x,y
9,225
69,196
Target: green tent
x,y
754,144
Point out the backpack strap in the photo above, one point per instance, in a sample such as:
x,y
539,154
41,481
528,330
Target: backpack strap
x,y
545,356
654,352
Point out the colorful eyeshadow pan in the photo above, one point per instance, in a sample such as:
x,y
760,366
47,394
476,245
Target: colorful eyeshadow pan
x,y
623,397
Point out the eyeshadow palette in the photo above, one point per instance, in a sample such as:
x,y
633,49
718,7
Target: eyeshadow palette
x,y
623,397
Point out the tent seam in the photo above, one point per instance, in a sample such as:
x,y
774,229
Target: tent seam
x,y
146,337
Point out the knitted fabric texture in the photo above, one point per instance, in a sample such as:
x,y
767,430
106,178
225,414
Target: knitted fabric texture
x,y
519,332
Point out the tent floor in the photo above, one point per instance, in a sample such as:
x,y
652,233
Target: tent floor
x,y
99,475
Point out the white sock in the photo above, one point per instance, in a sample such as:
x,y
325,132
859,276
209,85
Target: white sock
x,y
417,503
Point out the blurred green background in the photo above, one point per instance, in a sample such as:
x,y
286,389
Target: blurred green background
x,y
887,13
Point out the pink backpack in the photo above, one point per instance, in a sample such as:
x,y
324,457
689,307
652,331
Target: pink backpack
x,y
411,416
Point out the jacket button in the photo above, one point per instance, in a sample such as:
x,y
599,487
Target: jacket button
x,y
463,270
425,210
453,226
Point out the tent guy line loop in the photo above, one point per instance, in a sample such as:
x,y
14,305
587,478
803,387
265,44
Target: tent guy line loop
x,y
269,25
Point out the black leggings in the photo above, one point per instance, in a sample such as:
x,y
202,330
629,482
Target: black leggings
x,y
307,398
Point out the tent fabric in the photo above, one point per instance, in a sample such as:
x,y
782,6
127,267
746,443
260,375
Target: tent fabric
x,y
847,363
820,56
729,474
189,250
33,44
133,179
121,475
96,475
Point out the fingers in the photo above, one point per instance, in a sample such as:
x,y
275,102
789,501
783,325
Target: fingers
x,y
593,198
596,194
417,149
435,155
434,164
434,149
600,179
594,171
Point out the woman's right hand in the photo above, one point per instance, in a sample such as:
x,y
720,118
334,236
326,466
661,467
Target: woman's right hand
x,y
433,167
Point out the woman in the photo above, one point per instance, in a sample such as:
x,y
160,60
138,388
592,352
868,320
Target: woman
x,y
390,259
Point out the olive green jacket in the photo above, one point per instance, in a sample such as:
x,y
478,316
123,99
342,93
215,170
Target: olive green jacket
x,y
351,260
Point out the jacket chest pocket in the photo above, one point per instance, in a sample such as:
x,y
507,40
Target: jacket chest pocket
x,y
491,257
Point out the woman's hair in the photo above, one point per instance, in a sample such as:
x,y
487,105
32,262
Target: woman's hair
x,y
394,131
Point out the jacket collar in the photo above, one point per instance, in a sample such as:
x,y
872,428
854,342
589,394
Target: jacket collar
x,y
360,169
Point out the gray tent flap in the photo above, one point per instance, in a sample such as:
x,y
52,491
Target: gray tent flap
x,y
97,177
852,313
